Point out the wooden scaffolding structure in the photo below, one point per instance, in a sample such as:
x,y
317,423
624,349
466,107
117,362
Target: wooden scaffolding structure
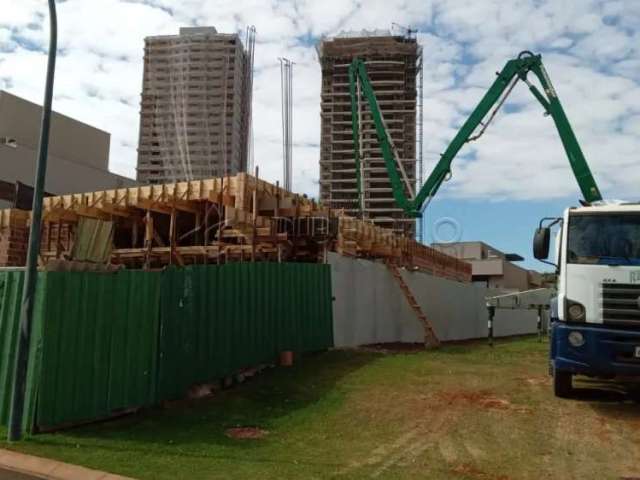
x,y
217,220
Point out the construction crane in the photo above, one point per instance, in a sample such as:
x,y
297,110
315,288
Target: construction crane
x,y
514,70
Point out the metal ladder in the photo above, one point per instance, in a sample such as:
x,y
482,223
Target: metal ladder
x,y
430,338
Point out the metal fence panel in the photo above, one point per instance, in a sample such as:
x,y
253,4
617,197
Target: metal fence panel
x,y
10,297
216,320
100,349
105,342
10,304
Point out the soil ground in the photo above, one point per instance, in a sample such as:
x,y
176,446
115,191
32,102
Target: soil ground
x,y
462,412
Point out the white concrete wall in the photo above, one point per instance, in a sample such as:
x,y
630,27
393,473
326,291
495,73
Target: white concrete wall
x,y
369,306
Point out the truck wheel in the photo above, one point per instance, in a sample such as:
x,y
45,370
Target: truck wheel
x,y
562,384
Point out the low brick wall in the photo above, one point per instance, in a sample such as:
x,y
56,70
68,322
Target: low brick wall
x,y
14,237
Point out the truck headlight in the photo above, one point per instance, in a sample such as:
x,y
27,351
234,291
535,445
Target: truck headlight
x,y
576,339
575,311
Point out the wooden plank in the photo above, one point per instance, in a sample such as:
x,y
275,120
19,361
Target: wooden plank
x,y
167,205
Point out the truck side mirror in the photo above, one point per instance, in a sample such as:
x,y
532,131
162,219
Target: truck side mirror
x,y
541,241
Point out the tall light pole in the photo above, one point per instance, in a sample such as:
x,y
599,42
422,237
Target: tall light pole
x,y
31,274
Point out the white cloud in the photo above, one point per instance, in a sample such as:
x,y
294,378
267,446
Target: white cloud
x,y
591,49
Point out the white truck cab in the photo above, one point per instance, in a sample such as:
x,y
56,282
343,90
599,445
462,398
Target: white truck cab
x,y
596,314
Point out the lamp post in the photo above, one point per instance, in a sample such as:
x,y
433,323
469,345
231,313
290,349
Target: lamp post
x,y
31,274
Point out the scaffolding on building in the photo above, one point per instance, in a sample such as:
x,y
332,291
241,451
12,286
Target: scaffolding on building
x,y
391,62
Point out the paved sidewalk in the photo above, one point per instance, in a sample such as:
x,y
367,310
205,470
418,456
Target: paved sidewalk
x,y
18,466
11,475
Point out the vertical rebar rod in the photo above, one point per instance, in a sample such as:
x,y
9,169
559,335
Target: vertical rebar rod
x,y
31,274
286,92
250,49
284,129
289,111
290,98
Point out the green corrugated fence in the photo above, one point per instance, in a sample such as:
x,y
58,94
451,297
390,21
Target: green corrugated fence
x,y
10,296
11,282
106,342
221,319
99,351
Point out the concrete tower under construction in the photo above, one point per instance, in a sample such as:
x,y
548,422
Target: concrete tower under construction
x,y
195,108
392,63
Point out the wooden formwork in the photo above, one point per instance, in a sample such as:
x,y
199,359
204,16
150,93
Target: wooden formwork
x,y
229,218
239,218
364,239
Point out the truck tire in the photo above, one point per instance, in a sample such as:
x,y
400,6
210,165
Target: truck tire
x,y
562,384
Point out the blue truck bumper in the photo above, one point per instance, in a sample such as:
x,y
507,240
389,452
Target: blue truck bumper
x,y
607,352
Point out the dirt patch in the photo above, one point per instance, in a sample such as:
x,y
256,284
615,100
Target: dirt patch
x,y
246,433
480,398
469,471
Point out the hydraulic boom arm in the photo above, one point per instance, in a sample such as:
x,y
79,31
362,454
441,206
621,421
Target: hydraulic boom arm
x,y
513,70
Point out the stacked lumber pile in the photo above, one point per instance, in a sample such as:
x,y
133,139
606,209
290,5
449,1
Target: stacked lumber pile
x,y
238,218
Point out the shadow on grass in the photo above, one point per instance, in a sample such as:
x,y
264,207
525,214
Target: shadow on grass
x,y
527,343
279,400
614,399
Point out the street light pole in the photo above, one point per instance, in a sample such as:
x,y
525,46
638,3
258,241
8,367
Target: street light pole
x,y
31,274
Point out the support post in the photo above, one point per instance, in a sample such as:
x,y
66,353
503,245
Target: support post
x,y
254,217
172,235
148,238
277,215
492,314
539,323
58,239
221,219
31,274
134,233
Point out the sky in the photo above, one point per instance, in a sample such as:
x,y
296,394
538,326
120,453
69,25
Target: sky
x,y
501,185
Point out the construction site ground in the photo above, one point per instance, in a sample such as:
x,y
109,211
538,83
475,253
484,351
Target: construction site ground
x,y
465,411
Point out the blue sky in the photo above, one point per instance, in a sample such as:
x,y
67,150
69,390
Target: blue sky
x,y
506,225
501,184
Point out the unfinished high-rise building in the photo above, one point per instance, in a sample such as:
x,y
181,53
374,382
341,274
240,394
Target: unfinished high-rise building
x,y
195,108
392,64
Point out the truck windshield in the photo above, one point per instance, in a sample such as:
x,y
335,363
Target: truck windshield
x,y
604,239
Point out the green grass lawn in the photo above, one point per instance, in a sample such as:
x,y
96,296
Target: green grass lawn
x,y
463,412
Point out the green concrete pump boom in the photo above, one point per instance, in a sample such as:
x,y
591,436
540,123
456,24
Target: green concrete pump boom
x,y
514,70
